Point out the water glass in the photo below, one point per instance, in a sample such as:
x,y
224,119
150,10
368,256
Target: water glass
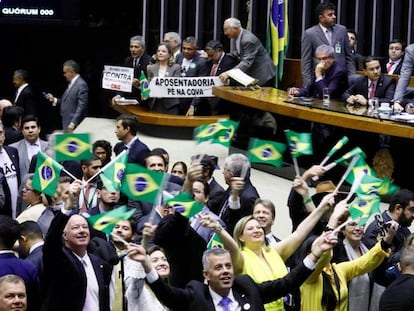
x,y
326,97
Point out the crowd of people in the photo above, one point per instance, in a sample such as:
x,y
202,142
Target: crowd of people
x,y
52,258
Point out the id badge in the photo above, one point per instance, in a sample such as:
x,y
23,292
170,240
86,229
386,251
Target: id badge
x,y
338,48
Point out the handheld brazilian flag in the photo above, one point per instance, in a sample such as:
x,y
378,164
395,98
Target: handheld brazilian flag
x,y
225,137
105,222
72,147
299,143
209,131
144,86
215,242
338,146
114,171
363,207
350,154
184,203
387,187
278,36
46,174
360,167
266,151
141,184
369,185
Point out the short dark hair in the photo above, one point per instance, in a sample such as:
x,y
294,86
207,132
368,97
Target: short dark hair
x,y
353,32
369,59
31,229
214,45
326,5
192,40
401,197
398,41
9,232
129,120
155,153
104,144
22,74
11,114
30,118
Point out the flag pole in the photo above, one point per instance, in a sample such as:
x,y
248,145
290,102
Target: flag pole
x,y
106,166
69,173
158,199
348,170
296,165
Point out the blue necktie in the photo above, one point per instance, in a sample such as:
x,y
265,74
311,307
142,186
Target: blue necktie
x,y
225,303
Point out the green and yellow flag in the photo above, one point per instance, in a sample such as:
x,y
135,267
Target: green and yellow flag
x,y
388,187
105,222
225,137
215,242
184,204
141,184
46,174
266,151
369,185
72,147
363,207
299,143
360,167
350,154
209,131
338,146
114,171
144,86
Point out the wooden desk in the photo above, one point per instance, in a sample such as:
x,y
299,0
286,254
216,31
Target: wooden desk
x,y
273,100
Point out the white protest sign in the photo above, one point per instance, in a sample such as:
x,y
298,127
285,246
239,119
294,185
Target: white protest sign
x,y
183,87
117,78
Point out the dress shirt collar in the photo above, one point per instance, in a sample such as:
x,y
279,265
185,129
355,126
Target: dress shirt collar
x,y
7,251
238,39
131,142
73,81
20,89
217,298
36,245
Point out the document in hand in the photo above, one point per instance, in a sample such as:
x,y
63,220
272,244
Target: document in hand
x,y
242,78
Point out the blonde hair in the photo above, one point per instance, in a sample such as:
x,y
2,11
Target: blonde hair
x,y
239,228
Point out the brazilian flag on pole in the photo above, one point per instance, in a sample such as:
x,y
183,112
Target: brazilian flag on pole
x,y
141,184
105,222
114,171
299,143
266,151
144,86
226,135
184,204
364,206
72,147
215,242
46,174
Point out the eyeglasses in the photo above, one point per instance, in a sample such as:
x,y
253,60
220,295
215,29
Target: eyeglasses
x,y
25,189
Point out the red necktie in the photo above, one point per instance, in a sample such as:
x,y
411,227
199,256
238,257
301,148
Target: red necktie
x,y
86,202
390,66
372,90
214,69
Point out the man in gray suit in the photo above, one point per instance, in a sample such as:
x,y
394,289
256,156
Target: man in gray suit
x,y
31,144
329,33
254,60
74,101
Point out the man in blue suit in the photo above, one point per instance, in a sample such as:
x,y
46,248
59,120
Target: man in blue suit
x,y
10,264
74,101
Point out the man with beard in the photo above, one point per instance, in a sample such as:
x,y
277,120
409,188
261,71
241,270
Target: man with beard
x,y
401,209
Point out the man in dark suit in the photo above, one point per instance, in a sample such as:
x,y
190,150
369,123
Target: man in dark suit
x,y
328,74
395,57
218,62
74,101
139,60
9,177
31,243
126,131
223,291
329,33
374,84
72,278
31,143
25,97
10,264
398,295
11,119
237,201
192,65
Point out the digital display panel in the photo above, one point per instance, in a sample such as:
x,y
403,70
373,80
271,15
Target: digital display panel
x,y
39,10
